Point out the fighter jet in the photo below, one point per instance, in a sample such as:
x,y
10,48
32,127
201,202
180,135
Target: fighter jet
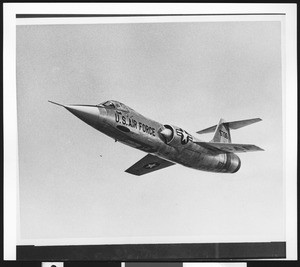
x,y
165,144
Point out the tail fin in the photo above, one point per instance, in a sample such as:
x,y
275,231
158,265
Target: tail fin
x,y
222,133
222,129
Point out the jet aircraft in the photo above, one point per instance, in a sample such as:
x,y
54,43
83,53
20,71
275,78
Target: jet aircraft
x,y
165,144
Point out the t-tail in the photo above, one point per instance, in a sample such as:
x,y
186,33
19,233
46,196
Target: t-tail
x,y
222,139
222,129
222,133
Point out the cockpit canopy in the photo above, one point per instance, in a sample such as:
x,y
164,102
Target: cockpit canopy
x,y
115,105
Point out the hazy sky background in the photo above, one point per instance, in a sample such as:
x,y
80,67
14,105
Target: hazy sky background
x,y
186,74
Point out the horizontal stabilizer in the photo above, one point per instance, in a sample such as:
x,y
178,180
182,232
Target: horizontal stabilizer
x,y
147,164
229,147
232,125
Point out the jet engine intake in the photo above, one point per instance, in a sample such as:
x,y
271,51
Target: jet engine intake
x,y
167,134
174,136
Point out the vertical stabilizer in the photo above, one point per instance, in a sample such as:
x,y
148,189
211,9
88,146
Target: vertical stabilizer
x,y
222,133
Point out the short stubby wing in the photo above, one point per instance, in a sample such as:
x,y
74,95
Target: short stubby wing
x,y
229,148
147,164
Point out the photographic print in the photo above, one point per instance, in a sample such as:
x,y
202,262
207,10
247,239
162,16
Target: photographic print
x,y
150,130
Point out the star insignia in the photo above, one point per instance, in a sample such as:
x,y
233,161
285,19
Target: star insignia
x,y
185,137
151,165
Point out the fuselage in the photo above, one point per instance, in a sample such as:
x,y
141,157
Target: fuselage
x,y
168,142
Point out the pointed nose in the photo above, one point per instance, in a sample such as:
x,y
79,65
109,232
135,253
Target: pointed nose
x,y
88,114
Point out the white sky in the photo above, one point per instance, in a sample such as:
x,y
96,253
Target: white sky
x,y
187,74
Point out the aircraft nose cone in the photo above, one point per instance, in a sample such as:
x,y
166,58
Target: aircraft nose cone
x,y
88,114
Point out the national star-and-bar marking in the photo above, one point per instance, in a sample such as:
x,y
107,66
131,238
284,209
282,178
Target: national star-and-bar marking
x,y
185,137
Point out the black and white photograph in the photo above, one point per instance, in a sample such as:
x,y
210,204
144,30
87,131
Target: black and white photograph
x,y
152,130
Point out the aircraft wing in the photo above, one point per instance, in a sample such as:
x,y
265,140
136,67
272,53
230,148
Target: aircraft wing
x,y
147,164
229,147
